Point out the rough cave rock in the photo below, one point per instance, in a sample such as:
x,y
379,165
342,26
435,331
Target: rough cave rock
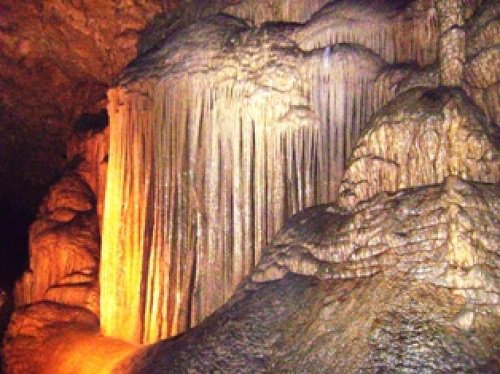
x,y
287,187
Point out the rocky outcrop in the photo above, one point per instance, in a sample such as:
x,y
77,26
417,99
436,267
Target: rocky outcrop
x,y
429,253
258,12
399,31
88,151
435,132
29,340
278,124
57,59
64,249
445,235
57,299
216,141
416,226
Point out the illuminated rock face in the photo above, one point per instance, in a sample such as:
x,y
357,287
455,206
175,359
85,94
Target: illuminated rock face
x,y
213,144
399,274
406,281
225,131
64,249
437,132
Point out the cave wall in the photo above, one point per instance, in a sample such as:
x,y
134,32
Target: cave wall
x,y
178,205
216,141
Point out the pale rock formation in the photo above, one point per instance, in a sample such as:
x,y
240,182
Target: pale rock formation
x,y
253,129
419,139
399,31
482,70
222,133
409,282
445,234
451,41
57,299
88,151
258,12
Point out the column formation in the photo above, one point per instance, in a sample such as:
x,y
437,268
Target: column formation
x,y
451,41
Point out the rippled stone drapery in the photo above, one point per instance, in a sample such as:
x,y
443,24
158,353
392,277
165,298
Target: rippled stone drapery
x,y
214,143
205,167
451,41
206,178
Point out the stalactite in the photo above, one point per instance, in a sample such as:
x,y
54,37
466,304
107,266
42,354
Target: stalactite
x,y
397,33
214,175
209,155
341,84
451,41
259,12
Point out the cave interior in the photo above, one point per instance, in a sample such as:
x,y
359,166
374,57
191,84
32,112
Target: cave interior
x,y
248,186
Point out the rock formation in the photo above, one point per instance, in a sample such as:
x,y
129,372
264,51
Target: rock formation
x,y
313,197
438,132
60,291
253,129
315,303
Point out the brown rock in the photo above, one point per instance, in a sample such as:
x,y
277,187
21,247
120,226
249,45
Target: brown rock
x,y
64,247
71,192
418,139
28,343
399,31
416,289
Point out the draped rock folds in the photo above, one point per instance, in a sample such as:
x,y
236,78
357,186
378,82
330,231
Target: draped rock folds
x,y
214,143
401,273
445,234
389,262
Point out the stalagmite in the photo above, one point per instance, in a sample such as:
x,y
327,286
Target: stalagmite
x,y
268,185
438,132
64,249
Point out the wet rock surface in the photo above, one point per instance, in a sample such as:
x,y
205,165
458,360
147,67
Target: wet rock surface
x,y
399,274
409,283
64,249
437,132
28,340
57,299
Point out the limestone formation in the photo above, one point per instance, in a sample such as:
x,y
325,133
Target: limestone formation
x,y
445,234
279,122
64,249
88,155
29,340
409,282
399,31
435,132
319,197
259,12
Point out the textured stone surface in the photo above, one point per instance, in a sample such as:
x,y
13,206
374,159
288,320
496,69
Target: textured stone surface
x,y
401,275
445,234
399,31
64,249
418,139
277,124
28,343
57,59
88,156
430,254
